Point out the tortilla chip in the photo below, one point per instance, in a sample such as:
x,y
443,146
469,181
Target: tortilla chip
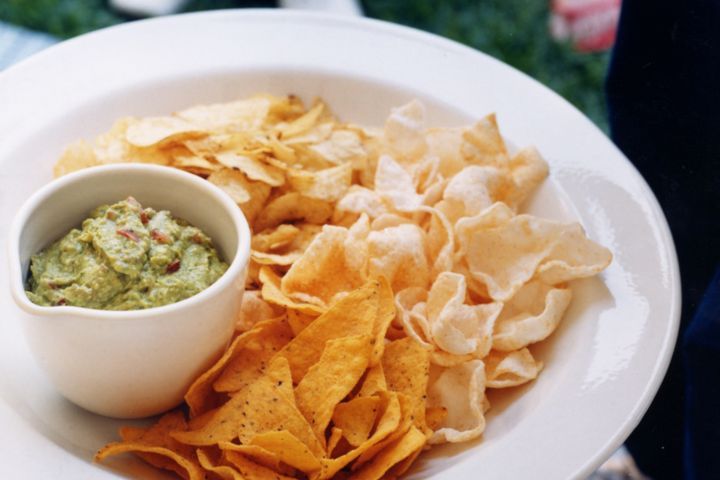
x,y
332,378
201,397
373,382
412,442
225,472
288,449
157,447
249,360
298,320
334,438
385,315
356,418
251,470
389,421
259,407
407,368
353,315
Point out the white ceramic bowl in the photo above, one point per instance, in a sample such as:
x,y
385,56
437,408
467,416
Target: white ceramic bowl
x,y
602,367
129,364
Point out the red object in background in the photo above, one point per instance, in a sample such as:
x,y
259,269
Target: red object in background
x,y
589,24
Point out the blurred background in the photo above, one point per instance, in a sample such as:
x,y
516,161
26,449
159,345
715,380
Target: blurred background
x,y
562,43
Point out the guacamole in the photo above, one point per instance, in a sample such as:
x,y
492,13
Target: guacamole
x,y
125,257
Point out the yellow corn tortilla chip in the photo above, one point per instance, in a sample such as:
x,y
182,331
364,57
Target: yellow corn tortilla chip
x,y
259,407
298,320
201,396
332,378
353,315
334,438
435,417
373,382
251,470
157,447
406,365
288,449
412,442
249,360
407,419
225,472
356,418
256,454
390,417
385,315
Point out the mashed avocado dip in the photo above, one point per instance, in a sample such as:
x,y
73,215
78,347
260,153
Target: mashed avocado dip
x,y
125,257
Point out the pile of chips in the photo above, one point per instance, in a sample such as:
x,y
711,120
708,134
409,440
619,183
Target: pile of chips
x,y
392,281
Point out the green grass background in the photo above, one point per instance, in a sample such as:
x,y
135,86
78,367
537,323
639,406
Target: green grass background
x,y
515,31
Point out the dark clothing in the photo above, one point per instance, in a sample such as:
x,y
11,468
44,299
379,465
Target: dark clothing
x,y
663,91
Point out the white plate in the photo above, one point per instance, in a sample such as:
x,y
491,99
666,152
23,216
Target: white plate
x,y
602,367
